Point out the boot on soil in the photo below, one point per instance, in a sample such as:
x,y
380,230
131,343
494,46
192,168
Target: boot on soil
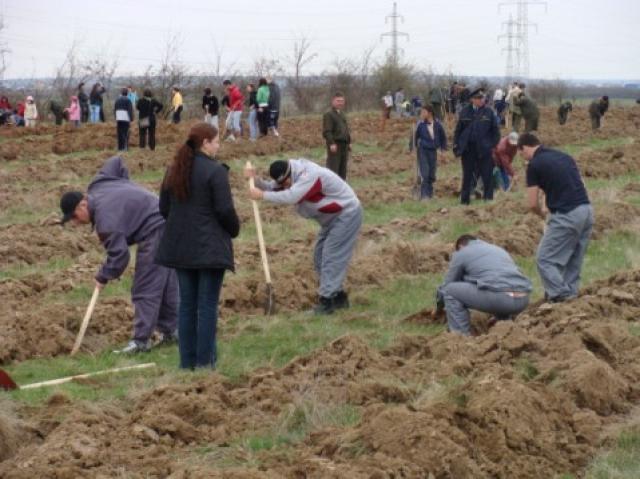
x,y
341,300
168,339
325,306
134,347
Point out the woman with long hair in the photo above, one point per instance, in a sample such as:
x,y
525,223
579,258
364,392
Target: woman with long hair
x,y
196,201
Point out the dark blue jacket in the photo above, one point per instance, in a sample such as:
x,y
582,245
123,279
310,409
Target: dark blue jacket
x,y
422,138
476,127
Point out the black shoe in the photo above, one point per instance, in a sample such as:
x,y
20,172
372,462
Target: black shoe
x,y
341,300
325,306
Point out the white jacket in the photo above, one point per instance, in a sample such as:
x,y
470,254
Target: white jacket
x,y
30,111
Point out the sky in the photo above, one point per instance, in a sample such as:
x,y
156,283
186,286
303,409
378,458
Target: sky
x,y
575,39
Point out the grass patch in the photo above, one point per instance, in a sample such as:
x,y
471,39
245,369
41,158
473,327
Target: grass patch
x,y
526,370
622,462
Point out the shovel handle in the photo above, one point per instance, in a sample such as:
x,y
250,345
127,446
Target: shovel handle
x,y
85,321
256,215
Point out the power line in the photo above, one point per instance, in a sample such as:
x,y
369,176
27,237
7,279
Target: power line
x,y
511,49
394,33
522,33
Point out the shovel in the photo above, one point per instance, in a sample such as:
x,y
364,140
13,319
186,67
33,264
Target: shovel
x,y
269,306
85,321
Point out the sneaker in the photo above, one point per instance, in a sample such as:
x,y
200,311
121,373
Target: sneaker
x,y
275,132
134,347
167,339
231,138
341,300
325,306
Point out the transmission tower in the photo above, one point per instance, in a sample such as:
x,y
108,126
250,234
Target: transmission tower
x,y
522,33
511,49
394,34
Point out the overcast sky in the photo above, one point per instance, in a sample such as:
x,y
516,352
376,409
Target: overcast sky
x,y
579,39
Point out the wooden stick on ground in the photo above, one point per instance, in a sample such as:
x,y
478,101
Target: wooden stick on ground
x,y
67,379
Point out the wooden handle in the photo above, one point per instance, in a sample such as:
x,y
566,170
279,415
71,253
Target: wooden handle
x,y
85,321
53,382
256,215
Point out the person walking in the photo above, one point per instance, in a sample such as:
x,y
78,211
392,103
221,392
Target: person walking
x,y
83,101
122,214
335,131
570,216
274,106
74,111
476,134
503,155
235,109
428,139
262,98
30,113
95,102
319,194
482,277
148,108
252,104
123,112
196,201
176,105
210,107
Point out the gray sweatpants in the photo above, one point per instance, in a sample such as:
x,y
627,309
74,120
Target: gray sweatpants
x,y
333,251
154,293
562,249
461,296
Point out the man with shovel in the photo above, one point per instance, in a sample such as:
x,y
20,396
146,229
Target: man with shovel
x,y
320,194
122,214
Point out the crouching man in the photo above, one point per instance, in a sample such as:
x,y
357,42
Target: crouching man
x,y
320,194
122,214
483,277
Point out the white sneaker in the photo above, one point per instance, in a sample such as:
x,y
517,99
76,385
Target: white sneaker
x,y
231,138
134,347
275,132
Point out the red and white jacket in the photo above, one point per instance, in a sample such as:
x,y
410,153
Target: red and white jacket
x,y
316,192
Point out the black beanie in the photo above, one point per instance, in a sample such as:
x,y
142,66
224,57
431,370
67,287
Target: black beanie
x,y
279,170
68,204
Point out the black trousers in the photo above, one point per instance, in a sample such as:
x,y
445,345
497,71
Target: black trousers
x,y
123,135
176,115
263,121
337,162
474,163
151,132
84,112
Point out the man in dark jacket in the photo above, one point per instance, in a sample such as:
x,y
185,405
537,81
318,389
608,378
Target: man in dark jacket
x,y
563,112
597,109
436,98
83,101
148,108
483,277
123,111
428,139
335,131
530,112
476,134
274,105
122,214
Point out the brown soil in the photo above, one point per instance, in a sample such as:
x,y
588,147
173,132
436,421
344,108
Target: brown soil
x,y
528,399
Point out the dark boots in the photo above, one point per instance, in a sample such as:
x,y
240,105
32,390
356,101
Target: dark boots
x,y
327,305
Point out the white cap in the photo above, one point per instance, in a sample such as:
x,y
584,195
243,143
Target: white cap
x,y
513,138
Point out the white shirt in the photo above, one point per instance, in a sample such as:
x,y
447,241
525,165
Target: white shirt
x,y
388,101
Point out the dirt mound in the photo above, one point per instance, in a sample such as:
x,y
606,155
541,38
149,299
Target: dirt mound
x,y
528,399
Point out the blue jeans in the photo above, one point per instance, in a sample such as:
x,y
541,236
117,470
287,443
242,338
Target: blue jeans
x,y
427,164
94,113
198,316
253,124
505,179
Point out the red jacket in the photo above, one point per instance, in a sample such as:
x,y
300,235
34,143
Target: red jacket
x,y
235,98
503,155
20,109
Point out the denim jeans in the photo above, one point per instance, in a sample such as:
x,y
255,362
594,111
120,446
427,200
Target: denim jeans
x,y
198,316
94,111
253,124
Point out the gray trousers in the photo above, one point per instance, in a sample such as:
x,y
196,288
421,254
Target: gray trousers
x,y
461,296
334,249
562,249
154,293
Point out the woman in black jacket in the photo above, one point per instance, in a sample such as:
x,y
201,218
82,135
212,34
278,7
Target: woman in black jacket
x,y
148,107
196,201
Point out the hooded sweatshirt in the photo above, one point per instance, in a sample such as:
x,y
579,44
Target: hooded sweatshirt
x,y
30,111
74,109
317,192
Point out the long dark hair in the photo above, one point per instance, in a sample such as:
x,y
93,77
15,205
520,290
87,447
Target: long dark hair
x,y
178,177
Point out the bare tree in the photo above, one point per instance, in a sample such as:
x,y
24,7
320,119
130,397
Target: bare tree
x,y
69,73
267,65
4,48
300,57
171,71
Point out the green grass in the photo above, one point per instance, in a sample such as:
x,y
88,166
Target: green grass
x,y
622,462
53,265
596,144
